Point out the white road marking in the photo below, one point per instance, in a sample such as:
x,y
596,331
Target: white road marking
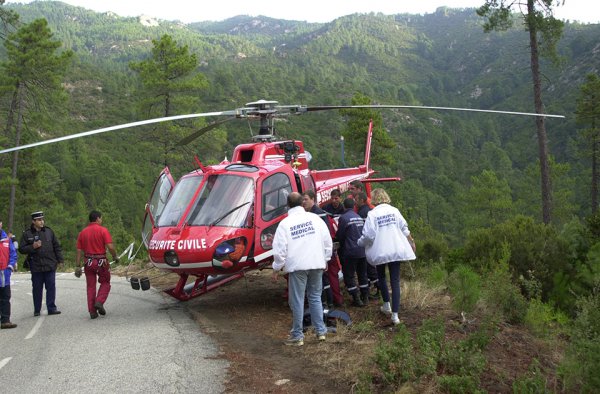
x,y
35,328
4,362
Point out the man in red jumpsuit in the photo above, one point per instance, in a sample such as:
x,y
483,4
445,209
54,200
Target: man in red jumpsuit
x,y
91,244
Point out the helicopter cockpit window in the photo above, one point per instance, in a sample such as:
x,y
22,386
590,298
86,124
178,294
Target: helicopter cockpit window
x,y
180,199
225,200
275,190
160,196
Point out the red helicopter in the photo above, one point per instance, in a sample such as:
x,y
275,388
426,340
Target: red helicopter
x,y
218,221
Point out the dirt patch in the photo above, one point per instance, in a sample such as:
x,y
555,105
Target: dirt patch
x,y
250,319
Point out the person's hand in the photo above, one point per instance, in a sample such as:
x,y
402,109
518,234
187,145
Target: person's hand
x,y
78,272
37,244
275,276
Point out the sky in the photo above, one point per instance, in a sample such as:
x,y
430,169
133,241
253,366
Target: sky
x,y
587,11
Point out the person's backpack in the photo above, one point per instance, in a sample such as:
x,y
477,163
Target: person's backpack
x,y
4,253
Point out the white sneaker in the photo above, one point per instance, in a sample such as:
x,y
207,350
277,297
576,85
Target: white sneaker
x,y
294,342
395,319
386,308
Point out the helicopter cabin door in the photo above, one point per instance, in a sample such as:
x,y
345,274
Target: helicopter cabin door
x,y
271,209
158,199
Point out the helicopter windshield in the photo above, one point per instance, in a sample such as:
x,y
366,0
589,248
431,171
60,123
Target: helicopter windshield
x,y
180,199
225,200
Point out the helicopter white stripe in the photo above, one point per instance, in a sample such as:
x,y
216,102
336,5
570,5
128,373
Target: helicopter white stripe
x,y
264,255
184,266
190,265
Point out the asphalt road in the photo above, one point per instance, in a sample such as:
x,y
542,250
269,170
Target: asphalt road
x,y
145,343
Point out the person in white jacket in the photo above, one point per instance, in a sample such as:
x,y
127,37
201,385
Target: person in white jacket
x,y
387,242
301,248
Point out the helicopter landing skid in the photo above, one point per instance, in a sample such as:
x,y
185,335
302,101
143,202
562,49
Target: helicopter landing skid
x,y
202,285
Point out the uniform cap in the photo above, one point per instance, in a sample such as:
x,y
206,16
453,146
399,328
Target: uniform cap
x,y
37,215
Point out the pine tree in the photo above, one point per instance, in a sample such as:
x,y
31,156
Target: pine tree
x,y
170,86
8,20
544,33
33,76
588,113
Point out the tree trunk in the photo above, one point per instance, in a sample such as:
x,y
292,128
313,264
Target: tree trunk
x,y
19,126
539,120
595,174
10,120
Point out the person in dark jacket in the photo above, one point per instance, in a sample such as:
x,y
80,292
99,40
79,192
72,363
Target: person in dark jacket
x,y
352,255
362,207
335,207
43,255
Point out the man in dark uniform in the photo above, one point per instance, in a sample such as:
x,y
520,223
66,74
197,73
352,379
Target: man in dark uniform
x,y
362,207
352,255
92,243
43,255
335,207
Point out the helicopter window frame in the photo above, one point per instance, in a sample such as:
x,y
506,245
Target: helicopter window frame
x,y
225,200
178,202
160,196
275,190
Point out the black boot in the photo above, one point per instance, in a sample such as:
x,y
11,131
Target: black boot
x,y
327,299
356,300
364,296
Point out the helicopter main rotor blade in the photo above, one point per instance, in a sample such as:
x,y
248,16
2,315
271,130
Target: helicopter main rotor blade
x,y
119,127
328,107
198,133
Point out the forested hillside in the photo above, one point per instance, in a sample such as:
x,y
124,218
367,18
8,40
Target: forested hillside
x,y
440,59
471,181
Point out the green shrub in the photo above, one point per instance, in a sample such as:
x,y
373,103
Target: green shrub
x,y
543,320
482,337
396,360
455,384
400,362
533,382
580,368
464,285
535,248
430,339
436,276
462,358
433,249
503,298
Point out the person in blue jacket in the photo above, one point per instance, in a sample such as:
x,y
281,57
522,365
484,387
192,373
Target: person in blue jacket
x,y
5,275
352,255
